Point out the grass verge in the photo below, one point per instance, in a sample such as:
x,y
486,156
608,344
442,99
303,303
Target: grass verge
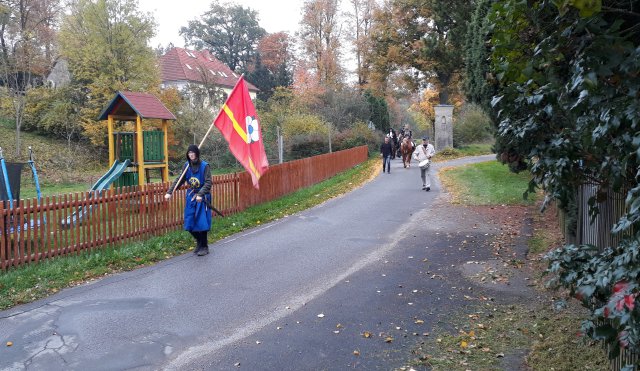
x,y
25,284
485,183
517,336
476,149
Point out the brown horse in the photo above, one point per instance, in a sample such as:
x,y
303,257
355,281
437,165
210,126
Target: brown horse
x,y
406,148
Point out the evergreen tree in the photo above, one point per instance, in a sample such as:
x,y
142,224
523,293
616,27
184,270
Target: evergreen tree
x,y
477,54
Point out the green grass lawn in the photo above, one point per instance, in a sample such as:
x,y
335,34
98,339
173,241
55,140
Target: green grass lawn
x,y
486,183
475,149
28,190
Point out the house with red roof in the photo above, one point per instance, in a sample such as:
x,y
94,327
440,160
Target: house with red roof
x,y
180,67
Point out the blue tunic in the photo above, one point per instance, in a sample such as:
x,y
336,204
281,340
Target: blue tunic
x,y
197,215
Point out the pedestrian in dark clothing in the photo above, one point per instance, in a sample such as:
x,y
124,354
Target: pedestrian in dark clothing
x,y
386,149
197,212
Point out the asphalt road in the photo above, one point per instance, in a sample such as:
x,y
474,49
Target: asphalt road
x,y
294,294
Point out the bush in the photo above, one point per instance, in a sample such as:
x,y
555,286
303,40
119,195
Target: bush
x,y
302,146
358,135
472,125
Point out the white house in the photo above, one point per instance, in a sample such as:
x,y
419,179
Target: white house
x,y
180,67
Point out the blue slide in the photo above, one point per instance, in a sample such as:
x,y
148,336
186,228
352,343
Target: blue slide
x,y
98,188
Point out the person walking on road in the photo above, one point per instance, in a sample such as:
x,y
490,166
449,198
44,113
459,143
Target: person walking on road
x,y
197,212
386,149
424,153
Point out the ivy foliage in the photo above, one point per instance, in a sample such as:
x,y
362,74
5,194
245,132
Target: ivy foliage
x,y
566,80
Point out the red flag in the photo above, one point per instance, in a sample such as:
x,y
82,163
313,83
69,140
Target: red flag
x,y
238,123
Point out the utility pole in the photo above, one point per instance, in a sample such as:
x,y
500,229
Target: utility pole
x,y
280,145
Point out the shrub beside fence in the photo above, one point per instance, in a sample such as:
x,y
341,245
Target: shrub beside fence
x,y
597,232
71,224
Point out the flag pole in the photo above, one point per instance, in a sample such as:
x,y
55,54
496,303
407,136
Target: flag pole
x,y
184,172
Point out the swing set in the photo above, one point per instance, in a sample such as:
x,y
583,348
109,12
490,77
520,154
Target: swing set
x,y
10,187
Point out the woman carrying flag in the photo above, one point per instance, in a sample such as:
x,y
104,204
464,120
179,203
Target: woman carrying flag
x,y
197,212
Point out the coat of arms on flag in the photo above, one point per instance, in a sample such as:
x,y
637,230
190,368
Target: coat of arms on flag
x,y
245,141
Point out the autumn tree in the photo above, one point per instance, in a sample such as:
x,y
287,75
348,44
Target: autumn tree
x,y
427,36
320,31
361,15
273,66
230,32
105,43
26,50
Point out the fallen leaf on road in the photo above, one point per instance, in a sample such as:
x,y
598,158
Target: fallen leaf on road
x,y
366,334
463,344
9,343
419,322
356,353
388,339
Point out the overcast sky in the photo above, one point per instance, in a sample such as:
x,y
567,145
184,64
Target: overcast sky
x,y
273,16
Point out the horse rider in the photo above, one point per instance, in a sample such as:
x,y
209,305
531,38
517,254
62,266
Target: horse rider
x,y
394,142
406,132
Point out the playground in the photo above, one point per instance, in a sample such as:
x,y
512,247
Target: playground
x,y
27,225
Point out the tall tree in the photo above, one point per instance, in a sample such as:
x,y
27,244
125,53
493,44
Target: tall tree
x,y
384,51
320,32
105,43
362,18
26,44
273,65
476,55
428,36
230,32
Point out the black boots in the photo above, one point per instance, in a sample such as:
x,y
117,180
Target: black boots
x,y
202,243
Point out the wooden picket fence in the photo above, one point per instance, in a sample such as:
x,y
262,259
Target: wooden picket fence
x,y
74,223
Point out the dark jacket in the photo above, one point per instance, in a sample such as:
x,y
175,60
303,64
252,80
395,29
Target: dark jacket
x,y
386,149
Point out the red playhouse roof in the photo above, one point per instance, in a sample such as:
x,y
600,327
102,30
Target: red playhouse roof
x,y
128,103
180,64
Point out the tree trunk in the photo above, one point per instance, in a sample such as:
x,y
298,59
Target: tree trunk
x,y
18,105
444,79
